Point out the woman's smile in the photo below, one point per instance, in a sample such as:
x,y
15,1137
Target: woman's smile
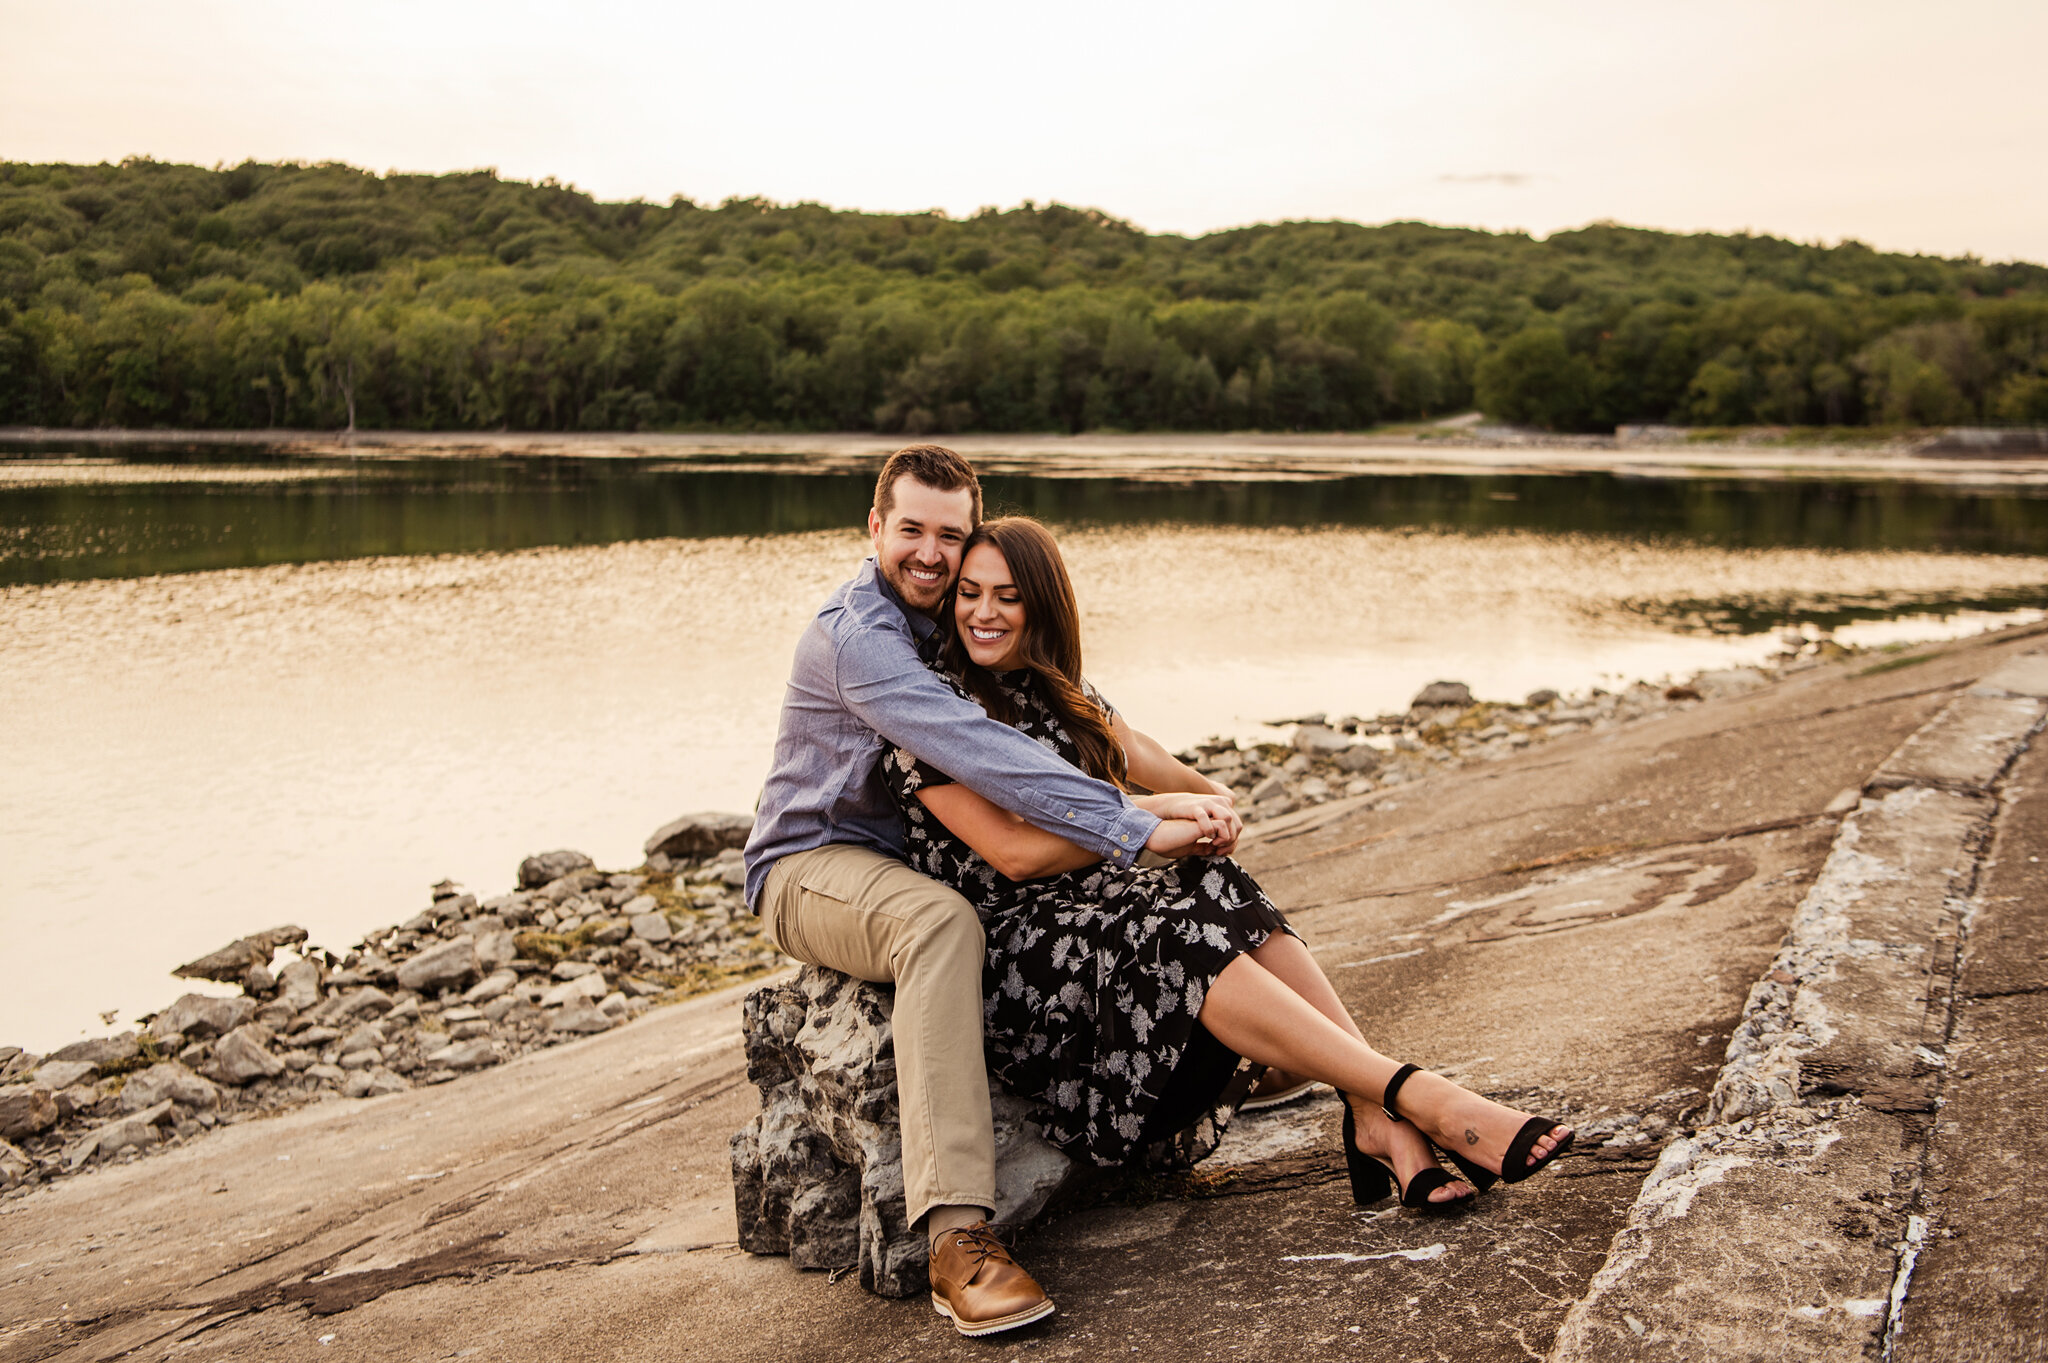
x,y
988,610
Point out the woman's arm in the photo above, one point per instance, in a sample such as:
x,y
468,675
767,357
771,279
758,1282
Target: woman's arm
x,y
1154,768
1022,851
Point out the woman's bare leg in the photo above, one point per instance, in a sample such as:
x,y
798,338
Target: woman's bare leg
x,y
1258,1014
1288,959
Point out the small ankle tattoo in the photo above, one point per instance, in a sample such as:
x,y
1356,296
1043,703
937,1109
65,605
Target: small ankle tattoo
x,y
1471,1136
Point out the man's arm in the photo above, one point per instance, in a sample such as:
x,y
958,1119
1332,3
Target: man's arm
x,y
882,683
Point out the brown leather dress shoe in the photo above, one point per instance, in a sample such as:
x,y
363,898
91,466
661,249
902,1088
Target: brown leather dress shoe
x,y
979,1287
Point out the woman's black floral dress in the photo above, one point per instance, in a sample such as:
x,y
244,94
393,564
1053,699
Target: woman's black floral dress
x,y
1095,977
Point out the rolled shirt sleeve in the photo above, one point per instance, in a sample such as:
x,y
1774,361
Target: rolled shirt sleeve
x,y
883,683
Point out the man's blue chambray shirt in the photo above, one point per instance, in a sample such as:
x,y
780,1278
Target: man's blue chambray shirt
x,y
859,682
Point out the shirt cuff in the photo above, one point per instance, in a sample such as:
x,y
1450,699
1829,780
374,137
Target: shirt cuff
x,y
1128,835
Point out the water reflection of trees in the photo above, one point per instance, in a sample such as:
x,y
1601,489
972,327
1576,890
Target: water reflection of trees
x,y
408,507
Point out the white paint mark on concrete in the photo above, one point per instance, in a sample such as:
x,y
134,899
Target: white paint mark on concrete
x,y
1375,960
1895,1312
1418,1256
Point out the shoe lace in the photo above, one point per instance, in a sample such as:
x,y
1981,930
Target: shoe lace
x,y
983,1242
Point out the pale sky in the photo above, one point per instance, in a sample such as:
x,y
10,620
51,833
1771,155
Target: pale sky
x,y
1915,127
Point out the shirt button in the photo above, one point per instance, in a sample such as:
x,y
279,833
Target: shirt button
x,y
1123,837
1070,813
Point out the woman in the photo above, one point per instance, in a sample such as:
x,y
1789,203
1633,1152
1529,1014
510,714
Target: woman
x,y
1123,999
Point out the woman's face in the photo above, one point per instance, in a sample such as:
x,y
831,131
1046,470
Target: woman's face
x,y
988,611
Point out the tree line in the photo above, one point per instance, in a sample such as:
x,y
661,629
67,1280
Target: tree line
x,y
152,294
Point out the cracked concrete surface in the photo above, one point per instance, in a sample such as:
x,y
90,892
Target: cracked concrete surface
x,y
1577,930
1789,1226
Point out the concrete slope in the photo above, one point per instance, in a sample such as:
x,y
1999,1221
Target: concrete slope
x,y
1577,929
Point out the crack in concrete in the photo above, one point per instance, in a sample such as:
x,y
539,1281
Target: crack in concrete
x,y
1794,1079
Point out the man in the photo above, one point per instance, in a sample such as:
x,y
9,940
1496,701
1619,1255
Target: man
x,y
825,875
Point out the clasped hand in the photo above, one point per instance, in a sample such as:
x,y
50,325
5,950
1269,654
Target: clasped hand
x,y
1192,824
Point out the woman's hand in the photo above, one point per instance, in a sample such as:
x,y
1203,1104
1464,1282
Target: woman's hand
x,y
1179,838
1213,815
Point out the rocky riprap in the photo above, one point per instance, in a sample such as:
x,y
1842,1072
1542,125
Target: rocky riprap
x,y
1445,726
460,986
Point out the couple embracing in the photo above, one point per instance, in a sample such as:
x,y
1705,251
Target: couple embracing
x,y
953,809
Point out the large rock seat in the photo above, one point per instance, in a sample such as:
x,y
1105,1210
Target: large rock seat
x,y
818,1173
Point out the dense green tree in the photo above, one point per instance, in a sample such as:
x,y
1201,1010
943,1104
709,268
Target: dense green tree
x,y
288,295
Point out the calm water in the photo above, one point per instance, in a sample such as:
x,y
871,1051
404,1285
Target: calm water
x,y
248,690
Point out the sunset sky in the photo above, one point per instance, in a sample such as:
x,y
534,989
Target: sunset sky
x,y
1910,126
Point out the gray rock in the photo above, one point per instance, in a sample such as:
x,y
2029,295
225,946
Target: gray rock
x,y
493,985
367,1037
1359,759
1317,741
569,970
198,1018
582,1017
243,1056
299,985
62,1074
700,835
612,933
14,1166
495,949
167,1081
538,870
652,927
660,864
76,1099
637,905
1537,699
372,1083
26,1110
451,965
232,961
405,1010
818,1173
101,1050
138,1130
571,886
1442,693
258,980
474,1054
367,1002
327,1074
584,988
1272,787
1732,681
360,1060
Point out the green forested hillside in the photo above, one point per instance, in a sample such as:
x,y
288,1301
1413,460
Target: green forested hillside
x,y
153,294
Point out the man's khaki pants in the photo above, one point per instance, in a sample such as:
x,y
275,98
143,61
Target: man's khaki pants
x,y
874,918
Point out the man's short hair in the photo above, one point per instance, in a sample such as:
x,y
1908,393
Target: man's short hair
x,y
933,465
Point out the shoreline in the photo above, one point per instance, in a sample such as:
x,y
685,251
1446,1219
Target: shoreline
x,y
1165,456
465,985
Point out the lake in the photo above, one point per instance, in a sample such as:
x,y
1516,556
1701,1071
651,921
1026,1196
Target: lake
x,y
245,688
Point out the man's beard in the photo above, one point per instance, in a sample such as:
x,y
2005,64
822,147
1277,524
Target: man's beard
x,y
924,598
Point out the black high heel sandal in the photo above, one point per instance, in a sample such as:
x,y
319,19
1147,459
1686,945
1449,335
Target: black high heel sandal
x,y
1514,1164
1372,1179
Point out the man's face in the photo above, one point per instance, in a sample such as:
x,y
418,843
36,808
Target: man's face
x,y
918,547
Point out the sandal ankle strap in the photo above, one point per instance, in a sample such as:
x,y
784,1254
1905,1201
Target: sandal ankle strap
x,y
1394,1088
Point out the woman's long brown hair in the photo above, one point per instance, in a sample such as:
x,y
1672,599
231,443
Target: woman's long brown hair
x,y
1051,645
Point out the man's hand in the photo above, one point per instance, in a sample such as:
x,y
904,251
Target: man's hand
x,y
1213,816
